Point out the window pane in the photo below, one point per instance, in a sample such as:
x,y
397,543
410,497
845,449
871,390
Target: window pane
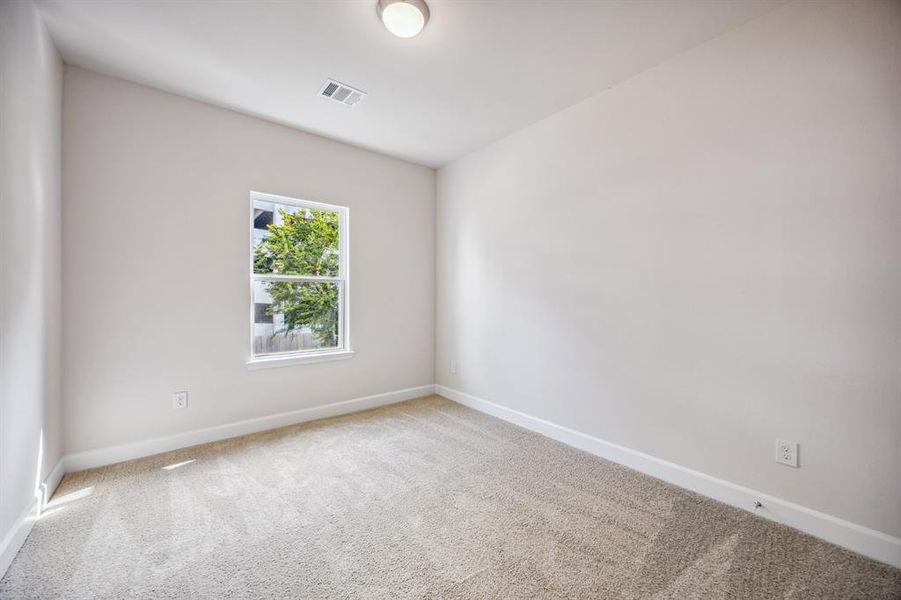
x,y
290,240
301,316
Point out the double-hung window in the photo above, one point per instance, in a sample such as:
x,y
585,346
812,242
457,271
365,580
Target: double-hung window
x,y
298,278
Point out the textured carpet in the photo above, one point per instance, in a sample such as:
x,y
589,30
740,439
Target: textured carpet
x,y
425,499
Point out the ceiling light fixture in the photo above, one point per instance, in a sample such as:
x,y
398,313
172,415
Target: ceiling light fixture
x,y
403,18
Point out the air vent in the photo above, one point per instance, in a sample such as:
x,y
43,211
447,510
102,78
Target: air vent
x,y
343,94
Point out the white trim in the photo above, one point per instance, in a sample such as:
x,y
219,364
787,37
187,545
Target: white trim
x,y
18,533
265,197
298,278
114,454
286,360
51,483
16,536
866,541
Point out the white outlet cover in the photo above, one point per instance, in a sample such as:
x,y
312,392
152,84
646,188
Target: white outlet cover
x,y
453,367
787,453
179,400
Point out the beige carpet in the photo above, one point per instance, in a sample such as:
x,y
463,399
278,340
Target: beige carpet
x,y
425,499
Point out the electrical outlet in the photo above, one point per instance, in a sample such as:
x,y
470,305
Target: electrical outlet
x,y
787,453
453,367
179,400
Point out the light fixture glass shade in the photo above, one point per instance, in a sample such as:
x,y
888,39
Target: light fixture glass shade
x,y
403,18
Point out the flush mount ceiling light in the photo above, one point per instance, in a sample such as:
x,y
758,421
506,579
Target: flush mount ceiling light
x,y
403,18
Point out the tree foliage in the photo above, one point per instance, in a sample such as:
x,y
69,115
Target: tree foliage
x,y
304,243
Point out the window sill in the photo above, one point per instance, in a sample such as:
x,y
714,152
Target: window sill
x,y
298,359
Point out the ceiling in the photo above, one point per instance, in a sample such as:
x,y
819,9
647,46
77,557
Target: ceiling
x,y
478,71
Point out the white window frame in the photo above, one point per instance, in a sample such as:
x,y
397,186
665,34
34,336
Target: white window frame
x,y
343,349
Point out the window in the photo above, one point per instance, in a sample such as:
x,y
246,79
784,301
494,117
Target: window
x,y
298,277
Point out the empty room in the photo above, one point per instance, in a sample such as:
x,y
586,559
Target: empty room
x,y
401,299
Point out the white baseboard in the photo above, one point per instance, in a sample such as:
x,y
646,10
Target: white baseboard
x,y
51,483
14,539
17,534
860,539
114,454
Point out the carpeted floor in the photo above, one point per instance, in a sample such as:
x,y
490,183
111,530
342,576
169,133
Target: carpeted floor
x,y
425,499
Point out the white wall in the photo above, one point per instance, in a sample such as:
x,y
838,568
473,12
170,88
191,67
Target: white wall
x,y
155,285
30,103
702,259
